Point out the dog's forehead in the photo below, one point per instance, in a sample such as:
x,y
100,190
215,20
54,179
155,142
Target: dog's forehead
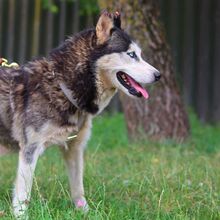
x,y
134,47
119,41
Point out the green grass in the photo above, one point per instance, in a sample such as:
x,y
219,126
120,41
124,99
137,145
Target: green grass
x,y
146,180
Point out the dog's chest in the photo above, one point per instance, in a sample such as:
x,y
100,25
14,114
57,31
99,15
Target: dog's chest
x,y
59,135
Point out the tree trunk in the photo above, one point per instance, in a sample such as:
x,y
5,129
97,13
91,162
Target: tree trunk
x,y
163,116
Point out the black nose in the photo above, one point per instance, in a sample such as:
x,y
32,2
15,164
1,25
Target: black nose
x,y
157,75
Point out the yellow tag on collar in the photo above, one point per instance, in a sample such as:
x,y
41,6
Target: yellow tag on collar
x,y
71,137
4,62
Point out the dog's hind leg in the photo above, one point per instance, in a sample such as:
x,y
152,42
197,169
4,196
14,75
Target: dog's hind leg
x,y
27,162
73,157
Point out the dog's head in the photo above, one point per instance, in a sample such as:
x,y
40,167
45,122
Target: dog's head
x,y
119,58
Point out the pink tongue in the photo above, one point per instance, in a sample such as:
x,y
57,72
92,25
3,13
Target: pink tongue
x,y
138,87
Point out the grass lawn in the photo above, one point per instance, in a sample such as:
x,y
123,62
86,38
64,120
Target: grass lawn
x,y
145,180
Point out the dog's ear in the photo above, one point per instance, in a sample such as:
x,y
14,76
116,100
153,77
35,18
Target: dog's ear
x,y
104,26
117,20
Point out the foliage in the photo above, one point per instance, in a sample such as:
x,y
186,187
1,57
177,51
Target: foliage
x,y
50,5
145,180
87,7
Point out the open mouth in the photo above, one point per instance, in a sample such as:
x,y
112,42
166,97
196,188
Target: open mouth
x,y
133,87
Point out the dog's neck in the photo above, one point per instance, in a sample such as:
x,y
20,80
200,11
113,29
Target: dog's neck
x,y
105,90
73,66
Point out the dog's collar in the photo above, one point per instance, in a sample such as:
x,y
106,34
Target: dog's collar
x,y
68,93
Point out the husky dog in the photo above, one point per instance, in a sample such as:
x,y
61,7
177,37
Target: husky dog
x,y
49,99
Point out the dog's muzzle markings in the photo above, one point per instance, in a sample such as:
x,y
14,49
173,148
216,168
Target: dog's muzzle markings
x,y
53,100
133,87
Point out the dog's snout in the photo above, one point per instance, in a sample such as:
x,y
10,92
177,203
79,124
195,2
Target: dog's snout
x,y
157,75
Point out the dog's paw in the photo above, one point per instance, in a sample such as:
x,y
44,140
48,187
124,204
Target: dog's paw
x,y
20,211
81,204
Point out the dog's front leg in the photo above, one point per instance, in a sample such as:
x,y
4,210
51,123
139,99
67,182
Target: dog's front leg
x,y
28,157
73,157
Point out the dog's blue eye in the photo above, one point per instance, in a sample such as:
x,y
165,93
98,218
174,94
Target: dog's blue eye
x,y
132,55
